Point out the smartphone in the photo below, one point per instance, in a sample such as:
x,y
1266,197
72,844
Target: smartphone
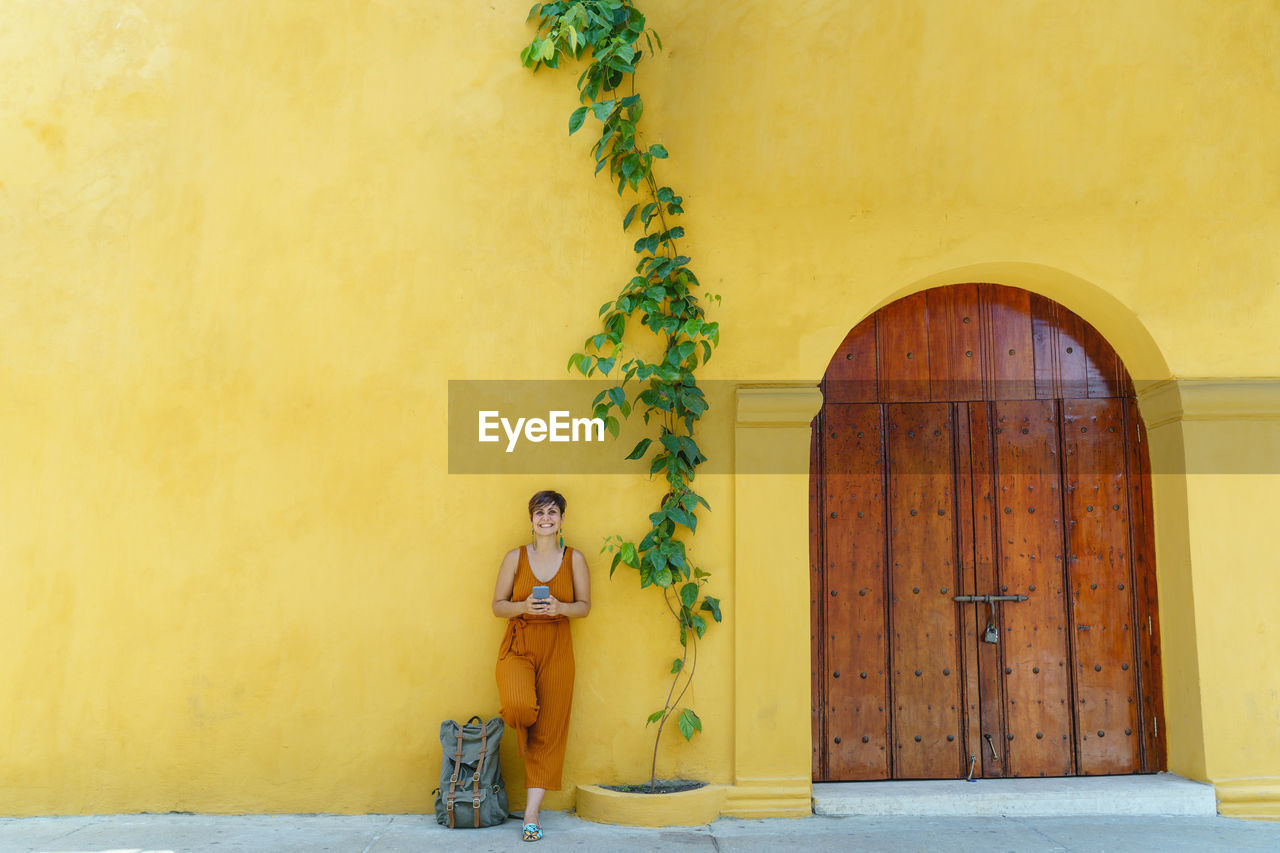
x,y
541,592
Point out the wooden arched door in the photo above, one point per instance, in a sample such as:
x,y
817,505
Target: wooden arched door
x,y
976,441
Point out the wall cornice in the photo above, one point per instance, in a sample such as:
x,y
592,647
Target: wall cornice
x,y
774,406
1209,399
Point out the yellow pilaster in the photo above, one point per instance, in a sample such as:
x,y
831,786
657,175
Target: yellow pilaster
x,y
771,768
1215,455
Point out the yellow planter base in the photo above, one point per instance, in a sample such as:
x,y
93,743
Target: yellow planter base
x,y
686,808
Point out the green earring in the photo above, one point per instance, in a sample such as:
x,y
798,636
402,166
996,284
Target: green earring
x,y
562,537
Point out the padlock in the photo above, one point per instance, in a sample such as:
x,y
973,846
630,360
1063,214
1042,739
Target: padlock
x,y
993,634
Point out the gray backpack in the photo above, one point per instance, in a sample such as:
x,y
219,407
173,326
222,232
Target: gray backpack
x,y
471,792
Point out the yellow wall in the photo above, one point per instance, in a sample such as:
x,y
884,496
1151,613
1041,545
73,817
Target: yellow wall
x,y
245,245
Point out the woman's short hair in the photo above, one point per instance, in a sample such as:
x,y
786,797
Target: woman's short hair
x,y
544,499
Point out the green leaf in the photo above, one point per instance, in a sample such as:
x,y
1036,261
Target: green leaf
x,y
658,151
681,517
619,398
699,625
626,220
689,723
677,665
655,716
576,118
689,594
629,556
641,446
575,360
712,606
548,50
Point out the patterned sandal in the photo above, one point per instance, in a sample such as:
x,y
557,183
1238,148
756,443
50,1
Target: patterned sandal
x,y
532,832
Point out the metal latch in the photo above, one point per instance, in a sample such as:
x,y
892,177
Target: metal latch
x,y
987,599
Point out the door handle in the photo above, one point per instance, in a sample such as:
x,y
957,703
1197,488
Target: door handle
x,y
987,599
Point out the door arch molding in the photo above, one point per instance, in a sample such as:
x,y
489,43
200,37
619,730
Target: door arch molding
x,y
1095,302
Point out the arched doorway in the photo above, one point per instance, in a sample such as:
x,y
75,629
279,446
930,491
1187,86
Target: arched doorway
x,y
980,441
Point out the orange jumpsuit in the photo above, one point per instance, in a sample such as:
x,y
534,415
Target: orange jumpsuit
x,y
535,676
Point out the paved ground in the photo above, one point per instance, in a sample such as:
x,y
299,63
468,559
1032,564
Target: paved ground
x,y
396,833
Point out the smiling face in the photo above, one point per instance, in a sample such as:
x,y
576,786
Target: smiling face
x,y
547,520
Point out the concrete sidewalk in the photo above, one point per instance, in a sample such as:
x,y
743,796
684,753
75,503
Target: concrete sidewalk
x,y
393,833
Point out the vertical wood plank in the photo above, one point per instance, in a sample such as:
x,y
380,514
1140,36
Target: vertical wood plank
x,y
1107,376
955,345
1101,586
902,346
986,582
1154,754
971,711
851,375
925,659
1008,361
856,680
1061,369
1038,740
817,585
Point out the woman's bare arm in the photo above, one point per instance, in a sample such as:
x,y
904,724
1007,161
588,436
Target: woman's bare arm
x,y
581,605
503,606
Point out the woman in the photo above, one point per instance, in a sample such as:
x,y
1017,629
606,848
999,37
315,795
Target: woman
x,y
535,661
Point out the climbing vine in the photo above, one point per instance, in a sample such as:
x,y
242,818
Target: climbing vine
x,y
656,374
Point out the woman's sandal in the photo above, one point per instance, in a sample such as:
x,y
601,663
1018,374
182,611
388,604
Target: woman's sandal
x,y
532,832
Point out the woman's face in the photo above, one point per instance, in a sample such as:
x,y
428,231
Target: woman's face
x,y
547,520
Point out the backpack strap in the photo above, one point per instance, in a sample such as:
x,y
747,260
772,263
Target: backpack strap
x,y
475,780
453,780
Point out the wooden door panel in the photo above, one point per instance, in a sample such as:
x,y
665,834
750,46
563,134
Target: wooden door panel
x,y
1033,633
955,345
967,584
1061,365
925,660
851,378
817,589
1107,376
990,669
1008,358
856,679
1142,535
1101,586
902,349
949,459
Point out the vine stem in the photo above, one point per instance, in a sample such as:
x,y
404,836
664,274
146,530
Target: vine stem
x,y
691,637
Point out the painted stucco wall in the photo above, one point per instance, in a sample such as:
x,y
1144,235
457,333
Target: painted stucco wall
x,y
246,245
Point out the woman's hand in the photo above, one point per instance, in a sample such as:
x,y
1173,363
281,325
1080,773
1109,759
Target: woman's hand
x,y
540,606
549,606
